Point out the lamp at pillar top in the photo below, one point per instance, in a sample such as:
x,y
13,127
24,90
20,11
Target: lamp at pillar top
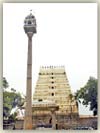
x,y
30,24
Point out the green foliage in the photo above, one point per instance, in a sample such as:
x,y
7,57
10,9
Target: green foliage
x,y
89,94
10,100
71,97
5,83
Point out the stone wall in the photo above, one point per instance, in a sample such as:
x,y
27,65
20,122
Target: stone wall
x,y
63,122
89,121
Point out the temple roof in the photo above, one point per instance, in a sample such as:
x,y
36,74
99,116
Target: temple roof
x,y
30,16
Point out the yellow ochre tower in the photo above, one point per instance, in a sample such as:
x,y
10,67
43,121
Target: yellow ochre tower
x,y
53,87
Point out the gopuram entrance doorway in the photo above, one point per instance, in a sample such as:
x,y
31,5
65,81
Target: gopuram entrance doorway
x,y
44,114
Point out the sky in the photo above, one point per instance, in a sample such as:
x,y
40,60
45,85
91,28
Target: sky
x,y
66,35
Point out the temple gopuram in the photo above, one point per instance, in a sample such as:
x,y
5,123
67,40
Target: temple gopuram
x,y
53,103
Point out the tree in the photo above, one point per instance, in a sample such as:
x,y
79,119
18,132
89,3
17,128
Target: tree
x,y
12,89
89,94
71,99
10,99
5,83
